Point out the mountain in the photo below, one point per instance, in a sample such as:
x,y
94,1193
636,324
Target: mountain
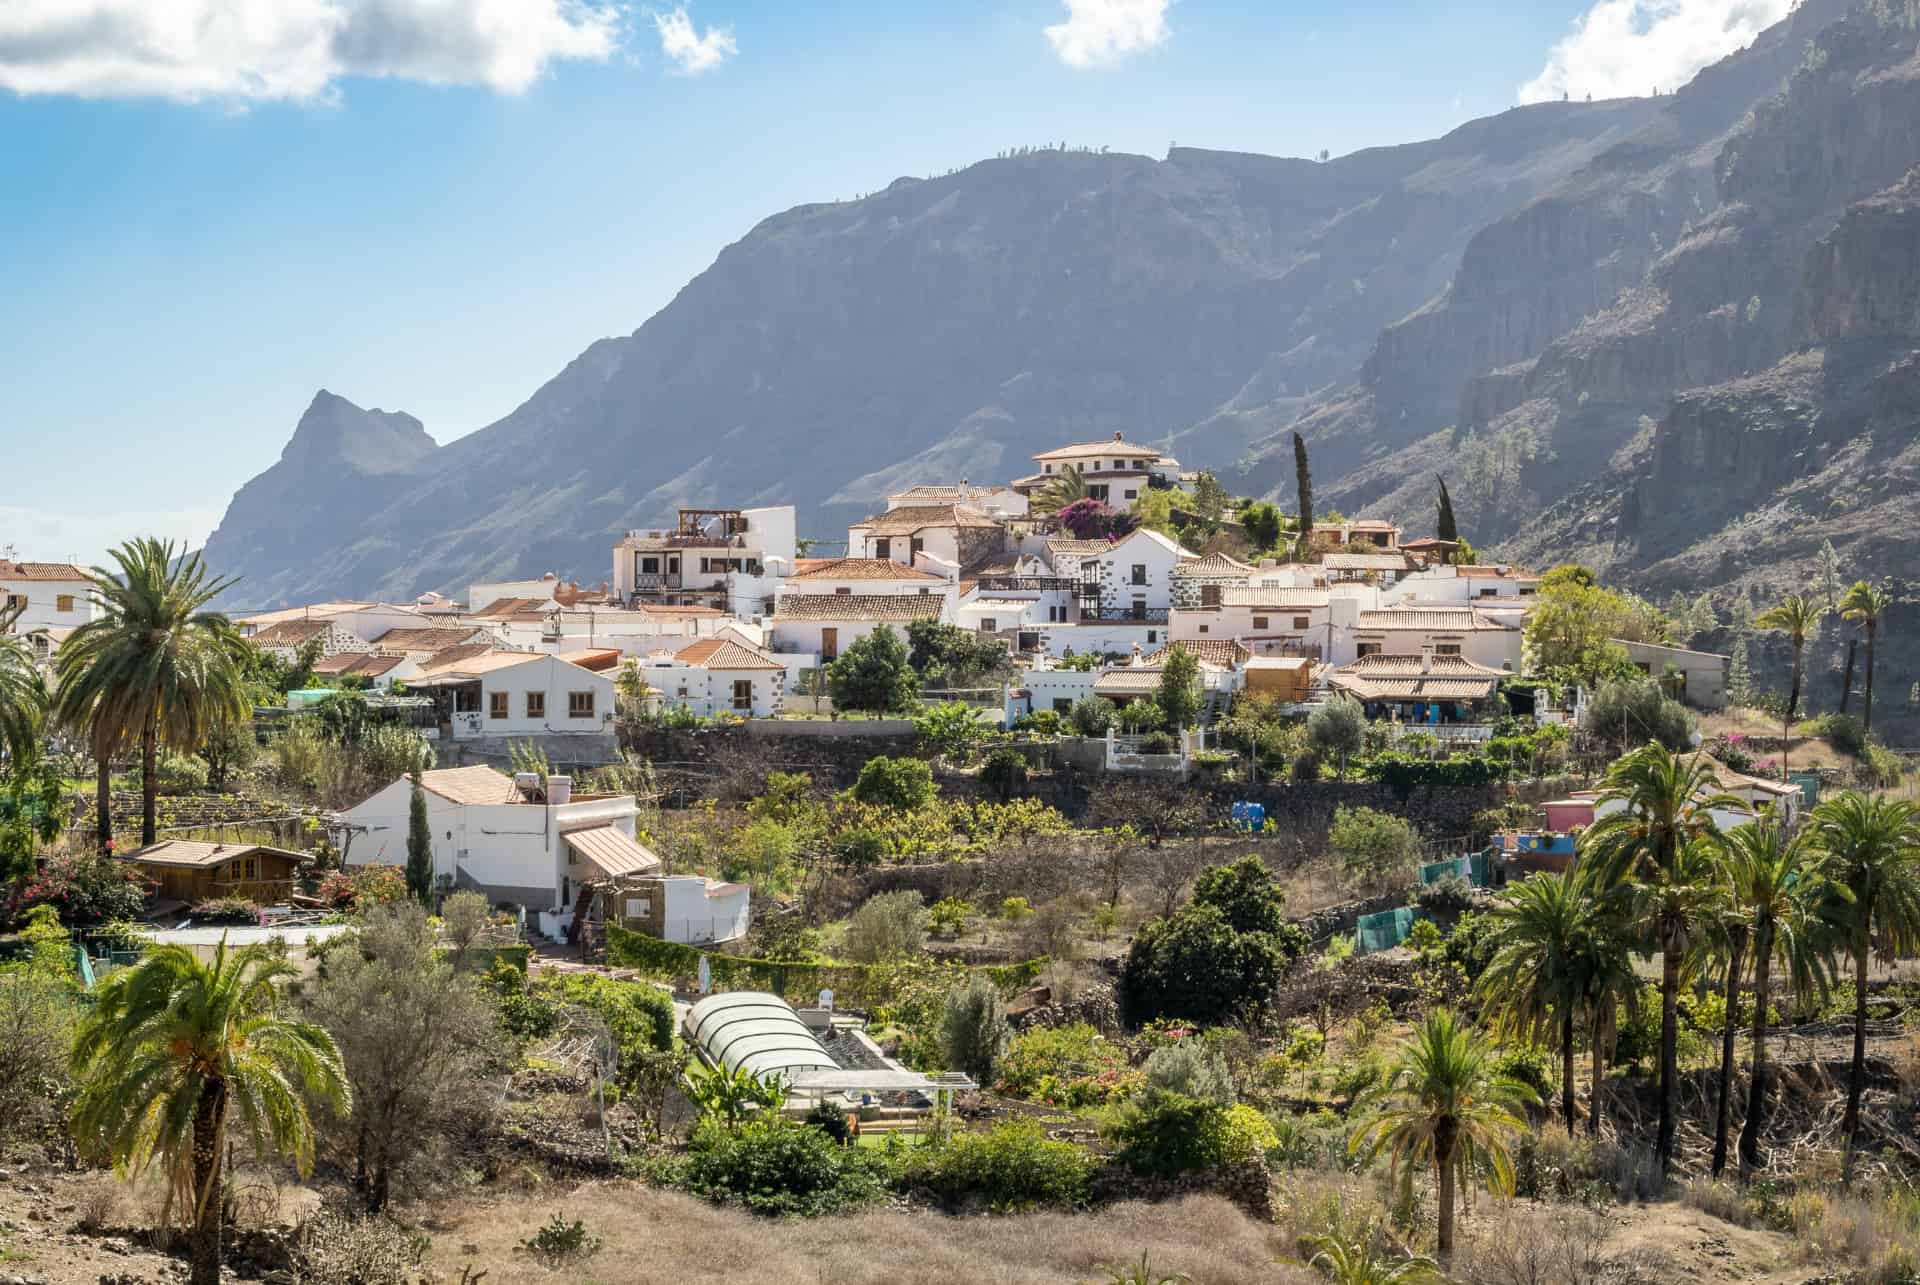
x,y
941,328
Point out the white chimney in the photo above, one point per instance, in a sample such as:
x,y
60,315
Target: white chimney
x,y
559,790
1426,658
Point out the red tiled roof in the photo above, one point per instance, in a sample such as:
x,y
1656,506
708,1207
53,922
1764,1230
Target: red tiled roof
x,y
610,851
909,518
1397,677
356,662
1221,653
290,633
857,606
861,569
501,608
1434,620
1214,564
40,571
1114,445
431,638
725,653
477,784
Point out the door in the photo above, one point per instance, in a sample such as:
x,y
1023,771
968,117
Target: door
x,y
829,642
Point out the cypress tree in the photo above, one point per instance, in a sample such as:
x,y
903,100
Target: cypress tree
x,y
1305,480
1444,528
419,844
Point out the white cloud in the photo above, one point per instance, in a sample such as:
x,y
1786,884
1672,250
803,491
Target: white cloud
x,y
1099,33
289,50
693,51
1621,48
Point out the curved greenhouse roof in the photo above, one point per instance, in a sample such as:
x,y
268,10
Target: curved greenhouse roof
x,y
756,1030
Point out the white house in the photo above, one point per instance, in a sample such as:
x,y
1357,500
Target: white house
x,y
825,624
730,559
1203,582
381,671
1100,638
48,596
510,840
510,693
958,533
1132,579
1481,637
924,575
539,589
635,631
723,675
997,501
341,626
1117,472
691,909
1269,619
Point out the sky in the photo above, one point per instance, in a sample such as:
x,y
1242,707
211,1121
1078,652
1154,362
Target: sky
x,y
209,209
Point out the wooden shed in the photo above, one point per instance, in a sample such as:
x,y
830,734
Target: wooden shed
x,y
191,871
1284,678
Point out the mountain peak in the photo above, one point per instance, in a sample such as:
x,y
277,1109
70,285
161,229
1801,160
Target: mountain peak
x,y
335,432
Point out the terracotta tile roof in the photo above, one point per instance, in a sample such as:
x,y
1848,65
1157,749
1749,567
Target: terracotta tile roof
x,y
861,569
909,518
803,565
186,852
1397,677
290,633
1130,680
934,494
357,662
501,608
430,638
1069,547
40,571
1496,572
1214,564
726,653
312,611
1426,542
611,852
1731,781
454,655
1357,524
476,663
658,609
1221,653
1432,619
1278,597
857,606
477,784
596,659
1114,445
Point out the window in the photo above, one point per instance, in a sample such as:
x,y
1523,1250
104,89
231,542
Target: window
x,y
1139,573
989,624
1259,622
1203,629
1153,636
496,704
1446,649
64,602
1133,495
883,548
1367,649
743,693
466,700
1046,468
1489,593
536,704
1209,595
914,546
650,566
1302,622
1061,705
252,868
579,704
843,589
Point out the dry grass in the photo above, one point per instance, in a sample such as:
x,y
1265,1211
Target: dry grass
x,y
655,1236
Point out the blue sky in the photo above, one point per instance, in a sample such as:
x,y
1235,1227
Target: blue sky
x,y
211,208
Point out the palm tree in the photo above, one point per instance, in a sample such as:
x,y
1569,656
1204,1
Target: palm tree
x,y
1797,616
1066,487
154,667
174,1049
1446,1106
1775,882
1865,604
1604,966
1533,986
1651,856
1872,846
23,697
1354,1262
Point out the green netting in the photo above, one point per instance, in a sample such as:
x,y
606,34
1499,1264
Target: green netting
x,y
1383,931
1476,868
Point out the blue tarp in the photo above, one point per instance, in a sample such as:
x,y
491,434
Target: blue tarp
x,y
1249,816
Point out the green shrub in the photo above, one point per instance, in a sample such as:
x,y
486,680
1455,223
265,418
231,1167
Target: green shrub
x,y
1170,1133
226,910
1015,909
560,1242
1445,894
1013,1167
638,1015
1141,716
1375,848
891,925
861,848
974,1033
1092,715
1425,937
1159,743
903,784
830,1118
1005,773
1190,1069
1846,733
779,1168
949,917
1042,722
1069,1066
1531,1066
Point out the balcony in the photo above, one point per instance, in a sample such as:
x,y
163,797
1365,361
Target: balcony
x,y
646,581
1124,615
1028,584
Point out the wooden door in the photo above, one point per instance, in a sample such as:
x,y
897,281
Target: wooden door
x,y
829,643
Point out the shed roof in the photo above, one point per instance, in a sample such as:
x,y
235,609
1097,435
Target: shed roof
x,y
476,784
611,852
1365,561
190,854
290,633
857,606
1275,596
427,638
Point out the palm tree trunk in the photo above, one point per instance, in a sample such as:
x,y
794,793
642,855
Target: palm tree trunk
x,y
1730,1027
1669,1054
1857,1073
1793,692
1872,629
1443,1156
1757,1081
1566,1067
149,780
1846,675
103,801
1599,1078
206,1186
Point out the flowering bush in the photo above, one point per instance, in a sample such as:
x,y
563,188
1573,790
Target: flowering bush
x,y
84,889
1094,520
1068,1066
227,910
363,887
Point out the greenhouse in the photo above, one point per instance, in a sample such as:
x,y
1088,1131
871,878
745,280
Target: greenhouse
x,y
758,1031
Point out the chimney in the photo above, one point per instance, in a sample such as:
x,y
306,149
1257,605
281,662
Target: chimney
x,y
1426,658
1138,660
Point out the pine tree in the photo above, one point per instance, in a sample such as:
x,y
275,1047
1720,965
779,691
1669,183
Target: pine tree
x,y
1827,581
1304,478
1739,675
1740,614
419,844
1444,527
1706,616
